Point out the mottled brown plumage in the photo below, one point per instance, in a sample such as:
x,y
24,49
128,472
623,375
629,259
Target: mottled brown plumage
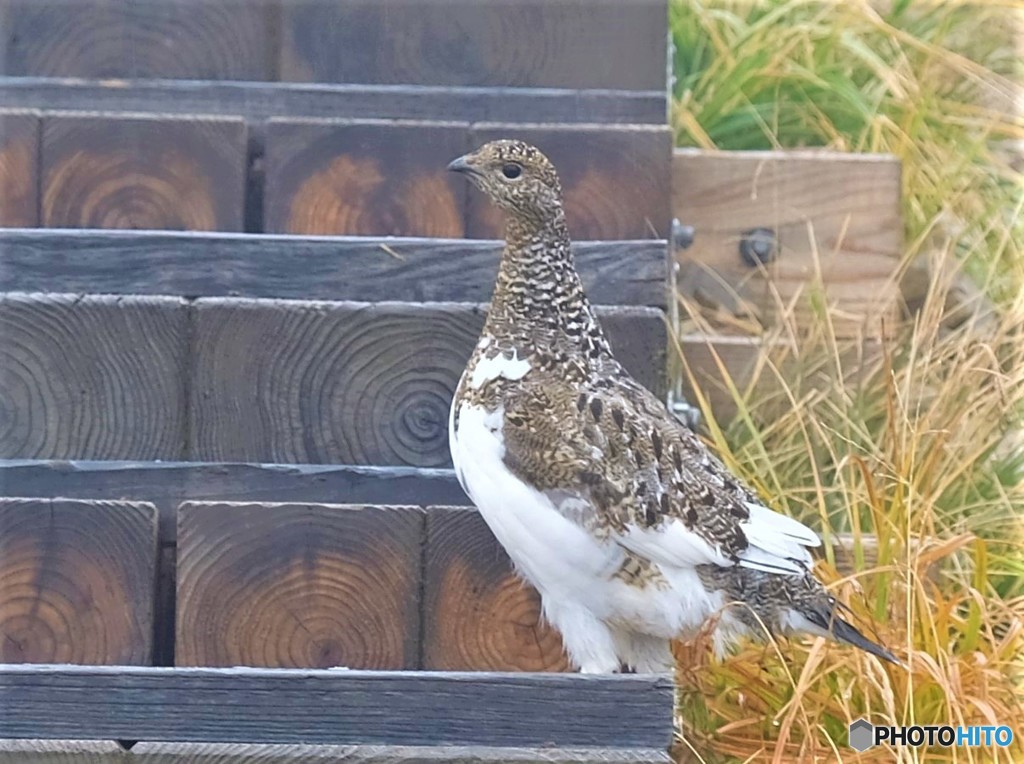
x,y
558,424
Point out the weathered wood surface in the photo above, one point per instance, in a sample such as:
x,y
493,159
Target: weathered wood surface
x,y
19,168
478,615
168,484
371,269
352,383
228,39
143,172
63,752
835,217
363,178
528,43
259,101
298,585
101,752
336,707
616,181
92,377
76,581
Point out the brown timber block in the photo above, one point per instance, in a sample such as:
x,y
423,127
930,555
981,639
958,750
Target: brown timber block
x,y
298,585
19,168
77,581
616,180
150,172
363,178
478,615
835,217
528,43
291,381
92,377
171,39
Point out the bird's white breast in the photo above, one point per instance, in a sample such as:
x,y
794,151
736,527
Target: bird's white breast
x,y
558,556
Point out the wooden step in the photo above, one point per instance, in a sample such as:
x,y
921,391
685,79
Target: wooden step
x,y
529,43
251,380
375,177
368,269
617,713
263,100
167,484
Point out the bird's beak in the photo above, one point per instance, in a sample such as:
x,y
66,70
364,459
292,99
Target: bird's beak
x,y
461,165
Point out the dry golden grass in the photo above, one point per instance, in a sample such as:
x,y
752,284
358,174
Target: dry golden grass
x,y
917,451
919,447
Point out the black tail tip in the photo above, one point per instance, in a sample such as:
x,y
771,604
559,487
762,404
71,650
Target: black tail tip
x,y
844,632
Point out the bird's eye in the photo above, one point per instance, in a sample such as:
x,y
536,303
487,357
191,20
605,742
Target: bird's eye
x,y
511,170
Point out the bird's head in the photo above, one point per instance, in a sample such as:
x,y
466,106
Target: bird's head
x,y
516,177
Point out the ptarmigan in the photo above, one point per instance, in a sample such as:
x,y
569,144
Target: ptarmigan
x,y
631,530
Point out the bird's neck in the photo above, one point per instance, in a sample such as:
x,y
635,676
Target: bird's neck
x,y
538,291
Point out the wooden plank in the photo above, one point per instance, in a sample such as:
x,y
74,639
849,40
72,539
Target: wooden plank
x,y
226,753
337,707
76,581
261,100
351,383
298,585
749,361
194,264
62,751
363,178
143,172
616,180
180,39
478,615
833,214
92,377
168,484
528,43
19,168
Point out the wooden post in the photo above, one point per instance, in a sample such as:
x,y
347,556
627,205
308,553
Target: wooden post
x,y
77,581
19,168
143,172
298,585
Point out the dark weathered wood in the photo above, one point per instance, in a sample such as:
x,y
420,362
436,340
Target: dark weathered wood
x,y
337,707
228,39
257,101
477,614
527,43
363,178
351,383
298,585
143,172
616,180
241,753
19,168
93,377
167,484
76,581
316,268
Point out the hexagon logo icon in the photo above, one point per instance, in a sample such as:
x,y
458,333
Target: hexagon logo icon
x,y
862,735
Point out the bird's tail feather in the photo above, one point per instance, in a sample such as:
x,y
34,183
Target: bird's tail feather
x,y
782,604
824,616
